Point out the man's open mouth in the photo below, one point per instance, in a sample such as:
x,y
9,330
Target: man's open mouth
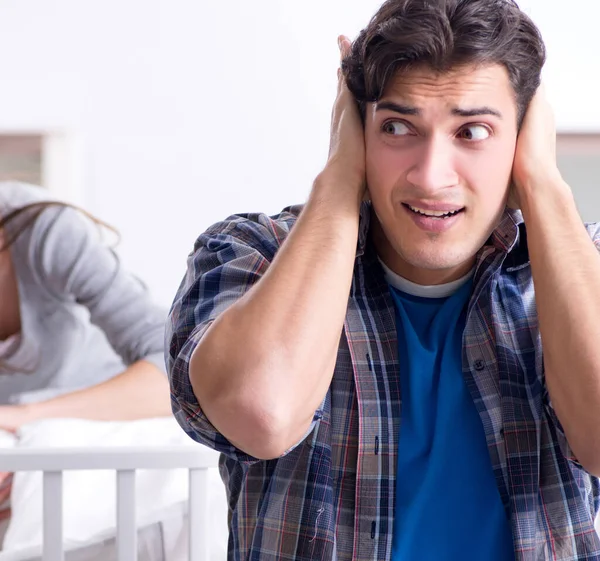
x,y
439,214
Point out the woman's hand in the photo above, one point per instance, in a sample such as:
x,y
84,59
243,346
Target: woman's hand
x,y
13,417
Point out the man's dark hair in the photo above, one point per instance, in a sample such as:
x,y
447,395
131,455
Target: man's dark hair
x,y
443,35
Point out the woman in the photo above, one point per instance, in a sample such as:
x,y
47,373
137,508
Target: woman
x,y
79,335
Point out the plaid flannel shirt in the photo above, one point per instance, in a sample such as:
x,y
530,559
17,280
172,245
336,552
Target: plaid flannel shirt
x,y
332,496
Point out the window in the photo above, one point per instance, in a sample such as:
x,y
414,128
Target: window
x,y
21,158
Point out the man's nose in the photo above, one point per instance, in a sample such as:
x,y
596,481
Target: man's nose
x,y
434,167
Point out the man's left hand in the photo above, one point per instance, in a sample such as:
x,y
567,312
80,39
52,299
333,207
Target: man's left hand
x,y
534,165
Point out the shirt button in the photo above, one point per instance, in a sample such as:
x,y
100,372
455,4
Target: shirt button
x,y
479,365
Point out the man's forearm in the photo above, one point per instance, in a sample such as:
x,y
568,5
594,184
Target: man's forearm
x,y
566,272
264,366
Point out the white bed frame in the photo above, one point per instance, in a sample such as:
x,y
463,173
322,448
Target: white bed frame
x,y
125,461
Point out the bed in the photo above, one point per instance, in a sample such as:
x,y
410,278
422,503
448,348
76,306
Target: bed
x,y
143,491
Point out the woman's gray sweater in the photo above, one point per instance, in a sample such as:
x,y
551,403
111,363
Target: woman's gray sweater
x,y
84,318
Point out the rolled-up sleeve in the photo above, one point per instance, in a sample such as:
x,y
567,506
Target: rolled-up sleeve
x,y
228,259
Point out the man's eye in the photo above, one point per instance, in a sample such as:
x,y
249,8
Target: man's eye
x,y
474,132
396,128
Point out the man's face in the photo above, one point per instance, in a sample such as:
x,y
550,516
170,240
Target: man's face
x,y
439,155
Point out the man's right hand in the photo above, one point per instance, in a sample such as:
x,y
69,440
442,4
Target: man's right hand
x,y
346,162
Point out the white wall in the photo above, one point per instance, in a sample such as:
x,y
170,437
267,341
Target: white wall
x,y
177,113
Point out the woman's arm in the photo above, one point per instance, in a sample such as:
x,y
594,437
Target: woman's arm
x,y
73,264
140,391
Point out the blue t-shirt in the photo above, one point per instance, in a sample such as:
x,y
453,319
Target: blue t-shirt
x,y
448,506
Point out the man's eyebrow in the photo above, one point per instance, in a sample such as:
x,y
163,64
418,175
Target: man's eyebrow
x,y
403,109
398,108
476,112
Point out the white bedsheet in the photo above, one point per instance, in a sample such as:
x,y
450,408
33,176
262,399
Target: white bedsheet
x,y
89,498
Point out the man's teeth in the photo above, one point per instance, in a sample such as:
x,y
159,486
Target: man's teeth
x,y
434,213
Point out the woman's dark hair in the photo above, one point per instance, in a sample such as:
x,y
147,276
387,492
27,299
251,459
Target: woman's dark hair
x,y
30,213
443,35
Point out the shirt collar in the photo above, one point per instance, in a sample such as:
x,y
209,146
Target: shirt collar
x,y
364,223
506,235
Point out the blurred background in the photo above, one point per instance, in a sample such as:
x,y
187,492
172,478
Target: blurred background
x,y
164,116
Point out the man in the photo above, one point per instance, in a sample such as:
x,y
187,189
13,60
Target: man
x,y
371,365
